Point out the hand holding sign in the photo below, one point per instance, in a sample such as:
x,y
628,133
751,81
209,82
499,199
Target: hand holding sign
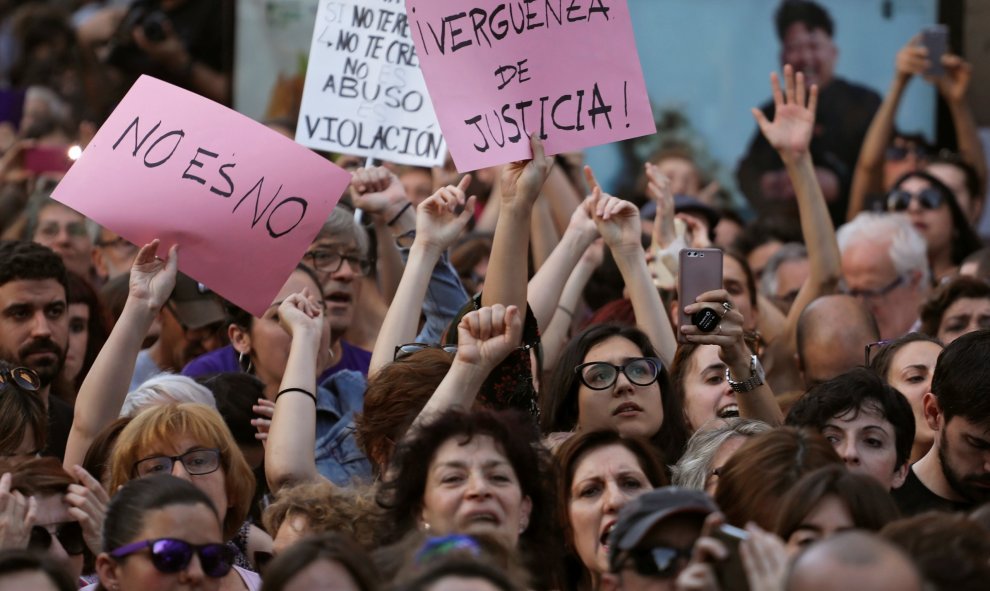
x,y
522,181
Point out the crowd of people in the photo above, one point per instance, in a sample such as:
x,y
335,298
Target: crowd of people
x,y
487,381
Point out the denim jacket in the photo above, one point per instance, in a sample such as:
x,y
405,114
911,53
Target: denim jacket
x,y
445,296
338,457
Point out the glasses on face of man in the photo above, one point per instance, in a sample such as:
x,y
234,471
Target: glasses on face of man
x,y
73,229
196,462
601,375
329,261
874,294
663,562
69,534
928,198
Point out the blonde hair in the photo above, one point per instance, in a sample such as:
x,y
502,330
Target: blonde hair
x,y
161,424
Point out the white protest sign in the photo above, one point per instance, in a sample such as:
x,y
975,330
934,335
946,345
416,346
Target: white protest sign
x,y
364,92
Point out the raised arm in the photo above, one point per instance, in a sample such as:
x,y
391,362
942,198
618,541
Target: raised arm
x,y
547,284
103,391
619,225
379,193
790,134
556,335
521,184
484,338
290,454
438,224
953,87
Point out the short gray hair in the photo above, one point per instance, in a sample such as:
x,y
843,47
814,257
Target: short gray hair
x,y
907,249
341,224
166,388
694,467
791,251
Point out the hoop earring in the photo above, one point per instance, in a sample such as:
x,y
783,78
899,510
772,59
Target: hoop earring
x,y
240,362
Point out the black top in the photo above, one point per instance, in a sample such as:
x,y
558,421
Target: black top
x,y
845,111
914,497
59,423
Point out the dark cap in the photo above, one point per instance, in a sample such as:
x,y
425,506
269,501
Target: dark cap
x,y
193,304
685,204
639,516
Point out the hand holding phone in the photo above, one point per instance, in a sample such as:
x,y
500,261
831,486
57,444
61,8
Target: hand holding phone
x,y
699,270
936,40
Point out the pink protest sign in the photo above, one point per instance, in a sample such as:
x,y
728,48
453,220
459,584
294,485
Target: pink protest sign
x,y
498,71
243,202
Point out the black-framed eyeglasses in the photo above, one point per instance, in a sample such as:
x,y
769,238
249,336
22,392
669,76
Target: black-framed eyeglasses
x,y
928,198
876,293
171,555
196,462
874,346
329,261
408,349
23,377
660,561
68,533
601,375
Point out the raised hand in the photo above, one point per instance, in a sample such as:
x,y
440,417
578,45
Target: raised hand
x,y
658,189
912,59
487,335
617,220
522,181
794,121
17,516
301,312
88,504
955,83
376,190
153,279
438,221
581,220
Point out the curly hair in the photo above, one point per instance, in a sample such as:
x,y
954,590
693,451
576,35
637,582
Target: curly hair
x,y
327,508
22,260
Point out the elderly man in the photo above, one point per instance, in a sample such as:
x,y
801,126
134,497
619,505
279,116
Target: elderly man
x,y
885,264
845,111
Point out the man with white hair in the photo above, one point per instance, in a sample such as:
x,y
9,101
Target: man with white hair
x,y
885,264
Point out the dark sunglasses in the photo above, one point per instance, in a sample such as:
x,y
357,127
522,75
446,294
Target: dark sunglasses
x,y
601,375
410,348
170,555
900,153
69,535
929,198
22,377
660,562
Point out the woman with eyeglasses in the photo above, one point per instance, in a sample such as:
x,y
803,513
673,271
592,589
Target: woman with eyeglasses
x,y
162,532
935,212
191,441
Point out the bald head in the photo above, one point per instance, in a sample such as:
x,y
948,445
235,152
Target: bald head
x,y
832,334
853,560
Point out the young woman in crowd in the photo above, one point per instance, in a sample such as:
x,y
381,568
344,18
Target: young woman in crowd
x,y
934,211
598,472
829,500
957,307
162,532
908,364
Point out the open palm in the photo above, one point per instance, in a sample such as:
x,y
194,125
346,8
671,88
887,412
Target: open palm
x,y
794,121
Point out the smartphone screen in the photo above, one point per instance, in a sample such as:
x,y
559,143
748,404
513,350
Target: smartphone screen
x,y
936,40
699,270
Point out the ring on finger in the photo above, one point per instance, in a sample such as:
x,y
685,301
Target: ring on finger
x,y
726,307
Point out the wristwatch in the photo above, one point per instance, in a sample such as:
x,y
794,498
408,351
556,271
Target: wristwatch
x,y
757,377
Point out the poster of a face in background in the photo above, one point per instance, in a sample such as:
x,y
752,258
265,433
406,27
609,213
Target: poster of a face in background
x,y
272,48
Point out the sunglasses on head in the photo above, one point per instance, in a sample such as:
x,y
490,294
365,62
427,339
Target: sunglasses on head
x,y
69,534
410,348
929,198
170,555
22,377
660,561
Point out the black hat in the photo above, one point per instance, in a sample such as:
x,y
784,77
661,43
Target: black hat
x,y
193,304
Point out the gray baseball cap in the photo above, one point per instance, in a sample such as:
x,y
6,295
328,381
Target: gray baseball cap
x,y
639,516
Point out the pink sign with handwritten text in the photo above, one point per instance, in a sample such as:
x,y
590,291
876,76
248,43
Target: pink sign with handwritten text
x,y
243,202
498,71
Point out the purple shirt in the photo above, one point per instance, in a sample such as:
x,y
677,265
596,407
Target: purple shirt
x,y
224,360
